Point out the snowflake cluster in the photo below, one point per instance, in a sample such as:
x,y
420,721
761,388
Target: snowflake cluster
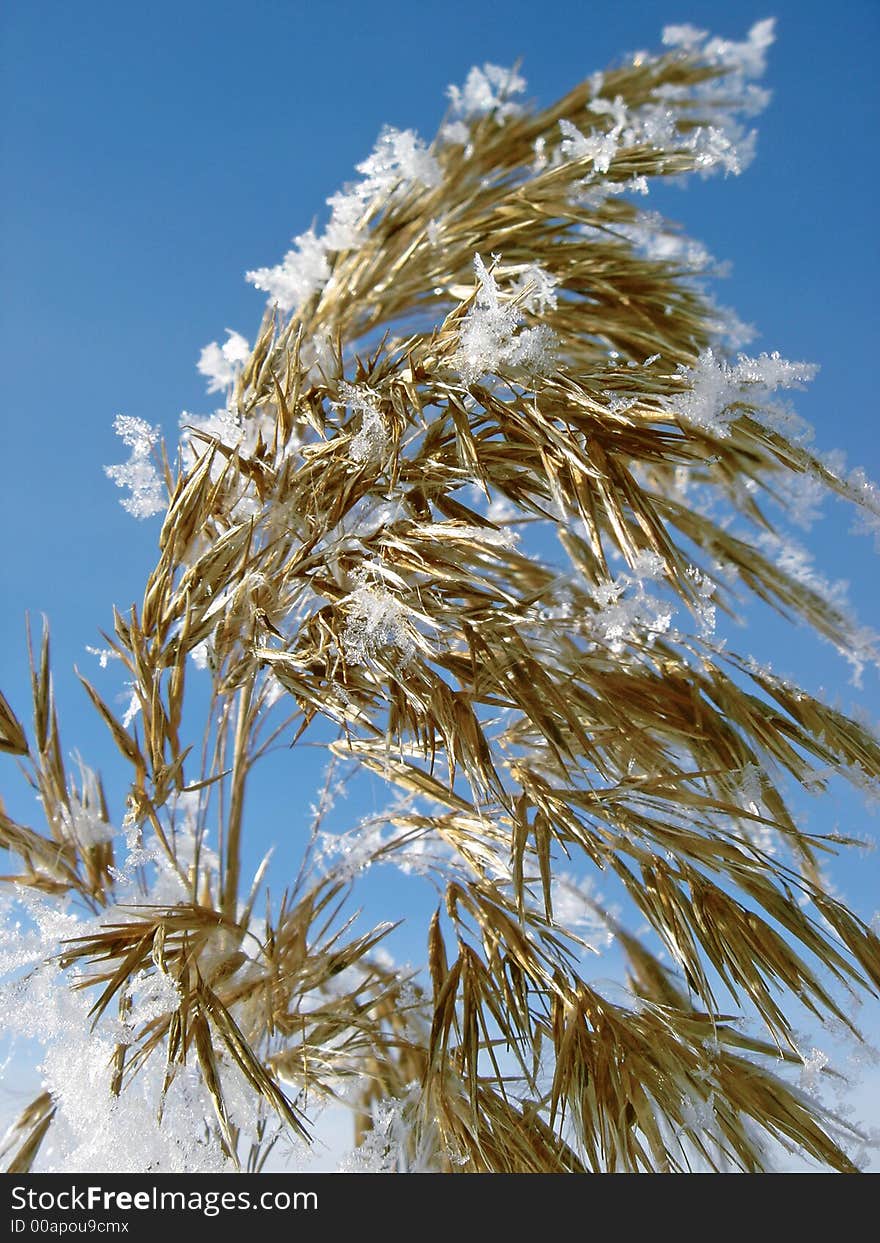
x,y
626,609
485,91
221,364
93,1129
652,237
399,161
491,334
709,130
139,473
717,391
372,440
375,619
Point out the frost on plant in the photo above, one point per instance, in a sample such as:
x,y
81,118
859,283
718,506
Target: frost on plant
x,y
139,473
492,335
717,390
376,620
482,493
487,90
303,271
372,440
399,162
221,364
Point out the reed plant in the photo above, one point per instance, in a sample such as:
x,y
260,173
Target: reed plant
x,y
471,516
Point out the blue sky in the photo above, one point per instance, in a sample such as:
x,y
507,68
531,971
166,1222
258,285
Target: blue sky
x,y
151,154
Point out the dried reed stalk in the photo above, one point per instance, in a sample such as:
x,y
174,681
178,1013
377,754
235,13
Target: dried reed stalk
x,y
324,543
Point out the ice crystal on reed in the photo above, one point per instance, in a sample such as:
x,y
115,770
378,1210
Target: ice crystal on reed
x,y
600,148
303,271
399,161
372,441
492,338
138,474
650,233
488,90
81,817
151,995
375,619
867,494
813,1065
535,288
94,1130
748,57
626,608
716,141
399,157
717,390
221,364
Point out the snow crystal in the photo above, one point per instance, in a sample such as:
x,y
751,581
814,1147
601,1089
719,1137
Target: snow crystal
x,y
698,1114
151,994
383,1150
626,609
85,823
748,58
398,161
372,441
723,143
501,538
345,229
487,90
375,619
535,288
541,159
859,489
750,795
867,495
703,608
614,108
726,328
230,428
346,854
221,364
813,1065
716,387
600,148
859,645
491,338
456,133
319,356
103,654
651,235
751,787
801,496
93,1130
138,473
398,156
796,561
684,36
707,127
715,148
302,272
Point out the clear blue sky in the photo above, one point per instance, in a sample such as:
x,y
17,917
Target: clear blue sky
x,y
153,153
